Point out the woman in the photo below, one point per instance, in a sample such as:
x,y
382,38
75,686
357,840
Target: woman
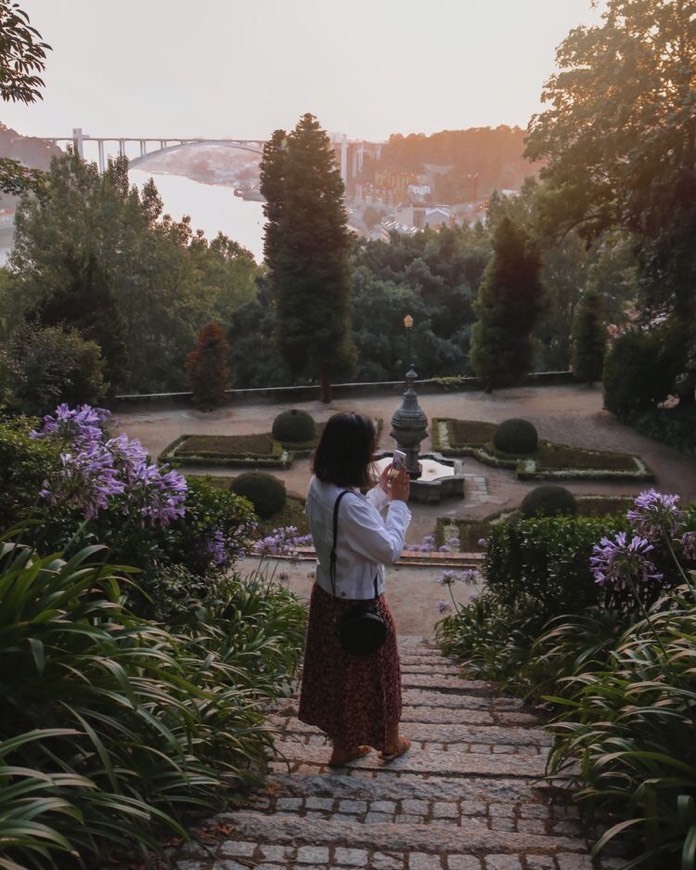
x,y
355,700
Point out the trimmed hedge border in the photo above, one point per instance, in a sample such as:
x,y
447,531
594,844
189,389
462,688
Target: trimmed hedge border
x,y
281,457
472,532
525,468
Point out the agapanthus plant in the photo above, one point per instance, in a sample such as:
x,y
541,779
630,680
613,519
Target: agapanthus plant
x,y
283,542
469,577
98,472
654,556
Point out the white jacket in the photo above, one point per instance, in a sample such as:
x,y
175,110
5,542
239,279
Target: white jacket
x,y
365,541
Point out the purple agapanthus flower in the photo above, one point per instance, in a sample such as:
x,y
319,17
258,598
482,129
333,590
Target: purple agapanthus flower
x,y
95,469
156,494
449,578
453,542
216,547
283,542
468,575
471,575
615,562
655,514
129,457
443,607
87,480
73,425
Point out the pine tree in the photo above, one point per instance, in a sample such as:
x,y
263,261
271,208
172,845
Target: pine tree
x,y
589,337
207,368
508,305
306,246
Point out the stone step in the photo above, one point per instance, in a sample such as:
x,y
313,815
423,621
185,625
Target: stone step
x,y
447,684
469,795
417,646
294,755
452,733
360,842
437,797
453,714
419,665
425,731
422,696
465,715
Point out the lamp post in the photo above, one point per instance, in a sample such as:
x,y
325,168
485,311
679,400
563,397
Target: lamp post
x,y
409,423
408,326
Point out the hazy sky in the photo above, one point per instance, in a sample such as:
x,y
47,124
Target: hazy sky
x,y
217,68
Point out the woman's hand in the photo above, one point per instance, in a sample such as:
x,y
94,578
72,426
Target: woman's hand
x,y
399,485
385,479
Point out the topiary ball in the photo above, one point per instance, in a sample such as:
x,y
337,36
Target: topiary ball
x,y
547,501
516,436
293,426
264,491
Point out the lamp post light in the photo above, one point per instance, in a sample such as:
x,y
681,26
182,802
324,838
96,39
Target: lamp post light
x,y
409,423
408,326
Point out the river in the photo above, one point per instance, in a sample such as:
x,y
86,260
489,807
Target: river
x,y
212,208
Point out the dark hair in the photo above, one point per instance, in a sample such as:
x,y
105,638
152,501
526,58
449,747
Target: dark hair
x,y
345,450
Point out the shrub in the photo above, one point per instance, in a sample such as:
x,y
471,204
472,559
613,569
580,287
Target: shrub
x,y
638,373
25,463
547,559
516,436
56,365
493,639
293,426
589,337
207,368
264,491
548,501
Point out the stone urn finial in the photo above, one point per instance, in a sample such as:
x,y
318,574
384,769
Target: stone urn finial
x,y
410,425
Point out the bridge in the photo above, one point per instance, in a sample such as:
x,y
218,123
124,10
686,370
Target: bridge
x,y
350,154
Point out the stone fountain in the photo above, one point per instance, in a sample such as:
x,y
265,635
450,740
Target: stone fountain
x,y
432,476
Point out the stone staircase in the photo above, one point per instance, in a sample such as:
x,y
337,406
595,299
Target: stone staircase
x,y
469,795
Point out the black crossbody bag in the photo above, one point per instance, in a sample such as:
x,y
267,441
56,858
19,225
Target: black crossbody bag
x,y
362,630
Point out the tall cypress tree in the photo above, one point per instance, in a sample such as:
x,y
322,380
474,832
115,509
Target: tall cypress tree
x,y
589,338
508,305
306,246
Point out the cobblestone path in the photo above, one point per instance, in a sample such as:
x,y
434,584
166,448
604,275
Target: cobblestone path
x,y
469,795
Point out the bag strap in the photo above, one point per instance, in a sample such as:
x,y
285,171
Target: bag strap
x,y
332,558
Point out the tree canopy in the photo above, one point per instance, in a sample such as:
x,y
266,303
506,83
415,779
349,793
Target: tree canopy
x,y
22,56
619,145
509,302
307,246
96,254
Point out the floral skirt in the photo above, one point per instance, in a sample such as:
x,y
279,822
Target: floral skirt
x,y
352,699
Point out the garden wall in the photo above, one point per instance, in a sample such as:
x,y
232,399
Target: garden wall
x,y
285,395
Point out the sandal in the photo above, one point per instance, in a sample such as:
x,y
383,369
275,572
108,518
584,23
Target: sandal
x,y
351,755
403,746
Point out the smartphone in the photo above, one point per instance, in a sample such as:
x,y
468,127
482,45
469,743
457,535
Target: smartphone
x,y
398,459
398,462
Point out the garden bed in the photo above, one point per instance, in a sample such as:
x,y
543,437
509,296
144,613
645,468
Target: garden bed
x,y
457,438
227,451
